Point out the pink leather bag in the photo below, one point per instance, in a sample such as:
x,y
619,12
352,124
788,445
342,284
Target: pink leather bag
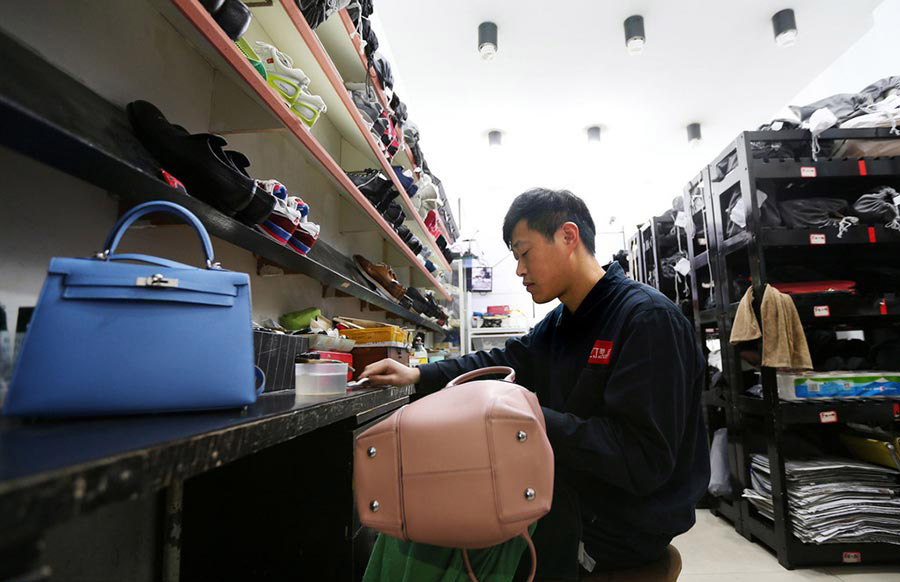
x,y
467,467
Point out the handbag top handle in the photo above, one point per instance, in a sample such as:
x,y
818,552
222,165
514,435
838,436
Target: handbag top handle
x,y
510,375
127,219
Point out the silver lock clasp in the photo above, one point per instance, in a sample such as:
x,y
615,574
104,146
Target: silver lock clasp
x,y
156,280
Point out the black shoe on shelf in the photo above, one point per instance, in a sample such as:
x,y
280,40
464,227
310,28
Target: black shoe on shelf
x,y
414,244
405,234
419,304
375,187
232,16
434,309
394,215
199,161
262,204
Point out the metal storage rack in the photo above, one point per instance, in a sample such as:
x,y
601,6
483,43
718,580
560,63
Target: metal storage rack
x,y
748,256
718,408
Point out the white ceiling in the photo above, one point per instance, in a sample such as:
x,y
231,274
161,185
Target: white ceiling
x,y
562,66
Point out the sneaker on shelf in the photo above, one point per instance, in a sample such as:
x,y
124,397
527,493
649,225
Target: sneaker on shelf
x,y
284,219
431,223
232,16
305,237
428,197
394,215
419,304
414,244
382,276
411,133
404,233
406,180
375,187
307,233
263,202
435,310
251,56
291,83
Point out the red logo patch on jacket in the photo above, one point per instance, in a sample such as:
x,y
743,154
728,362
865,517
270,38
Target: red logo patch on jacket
x,y
601,352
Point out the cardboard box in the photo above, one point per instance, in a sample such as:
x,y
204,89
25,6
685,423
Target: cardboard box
x,y
363,356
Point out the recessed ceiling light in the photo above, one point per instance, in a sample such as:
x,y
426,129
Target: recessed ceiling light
x,y
495,138
694,136
785,26
487,40
634,34
593,135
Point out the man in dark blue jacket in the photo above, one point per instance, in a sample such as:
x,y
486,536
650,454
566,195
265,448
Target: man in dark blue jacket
x,y
618,373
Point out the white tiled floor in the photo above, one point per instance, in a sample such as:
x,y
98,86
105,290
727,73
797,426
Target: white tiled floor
x,y
712,551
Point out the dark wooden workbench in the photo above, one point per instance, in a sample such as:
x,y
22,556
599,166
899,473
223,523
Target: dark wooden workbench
x,y
207,481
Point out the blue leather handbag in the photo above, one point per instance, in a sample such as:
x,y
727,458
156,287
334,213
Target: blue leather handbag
x,y
115,337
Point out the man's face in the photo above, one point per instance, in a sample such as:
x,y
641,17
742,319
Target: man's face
x,y
542,264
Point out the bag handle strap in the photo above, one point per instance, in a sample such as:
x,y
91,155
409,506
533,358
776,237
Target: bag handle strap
x,y
127,219
158,261
492,370
261,378
524,535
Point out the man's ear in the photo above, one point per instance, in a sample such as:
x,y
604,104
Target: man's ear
x,y
570,234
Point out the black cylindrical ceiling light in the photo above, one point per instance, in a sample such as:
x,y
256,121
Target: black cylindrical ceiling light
x,y
694,136
634,34
495,138
487,40
593,134
785,26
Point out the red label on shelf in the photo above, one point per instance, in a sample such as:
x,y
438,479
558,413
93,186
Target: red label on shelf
x,y
882,306
851,557
897,410
821,311
828,416
807,171
872,234
862,168
817,239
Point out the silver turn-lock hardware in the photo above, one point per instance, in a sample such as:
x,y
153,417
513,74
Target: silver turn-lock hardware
x,y
529,494
521,436
374,505
371,452
157,280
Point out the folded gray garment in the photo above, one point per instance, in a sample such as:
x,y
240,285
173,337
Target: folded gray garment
x,y
848,105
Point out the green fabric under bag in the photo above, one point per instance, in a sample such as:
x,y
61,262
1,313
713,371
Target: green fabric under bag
x,y
394,560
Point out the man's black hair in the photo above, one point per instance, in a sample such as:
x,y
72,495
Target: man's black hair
x,y
546,210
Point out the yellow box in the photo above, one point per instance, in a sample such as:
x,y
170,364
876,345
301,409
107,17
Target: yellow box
x,y
372,335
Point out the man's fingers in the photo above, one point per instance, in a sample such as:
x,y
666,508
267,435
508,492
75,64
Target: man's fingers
x,y
382,380
373,369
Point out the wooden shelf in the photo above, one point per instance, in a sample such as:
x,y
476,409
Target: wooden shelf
x,y
90,138
199,28
275,20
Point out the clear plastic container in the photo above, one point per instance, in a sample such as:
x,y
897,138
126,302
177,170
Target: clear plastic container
x,y
321,378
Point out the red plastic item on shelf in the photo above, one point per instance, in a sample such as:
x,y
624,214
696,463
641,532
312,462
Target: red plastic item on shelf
x,y
431,223
498,309
809,287
341,357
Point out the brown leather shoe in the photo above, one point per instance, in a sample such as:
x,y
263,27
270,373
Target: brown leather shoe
x,y
382,276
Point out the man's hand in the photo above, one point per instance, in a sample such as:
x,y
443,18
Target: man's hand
x,y
391,372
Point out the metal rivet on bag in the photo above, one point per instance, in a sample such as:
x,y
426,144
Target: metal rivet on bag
x,y
371,452
521,436
374,505
529,494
